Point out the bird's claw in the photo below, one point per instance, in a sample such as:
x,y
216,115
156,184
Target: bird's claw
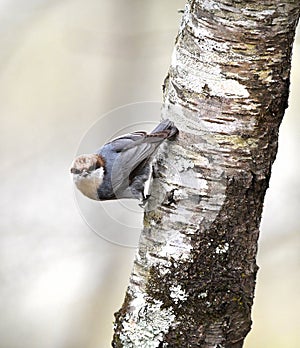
x,y
144,201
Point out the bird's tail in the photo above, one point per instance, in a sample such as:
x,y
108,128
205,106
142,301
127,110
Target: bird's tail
x,y
167,128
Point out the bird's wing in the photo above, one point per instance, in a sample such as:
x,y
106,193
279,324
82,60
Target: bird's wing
x,y
134,139
132,150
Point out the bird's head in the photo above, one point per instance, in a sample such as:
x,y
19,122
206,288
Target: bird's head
x,y
87,172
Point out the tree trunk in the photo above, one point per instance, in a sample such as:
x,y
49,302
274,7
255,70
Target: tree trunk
x,y
193,280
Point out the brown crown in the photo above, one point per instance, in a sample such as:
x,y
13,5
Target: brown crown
x,y
87,162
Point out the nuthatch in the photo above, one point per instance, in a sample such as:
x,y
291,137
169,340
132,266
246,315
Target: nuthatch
x,y
120,168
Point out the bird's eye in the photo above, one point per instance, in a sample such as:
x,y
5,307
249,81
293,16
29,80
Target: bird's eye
x,y
91,169
75,171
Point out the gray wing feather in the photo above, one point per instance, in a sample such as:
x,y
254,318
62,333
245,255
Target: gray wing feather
x,y
132,151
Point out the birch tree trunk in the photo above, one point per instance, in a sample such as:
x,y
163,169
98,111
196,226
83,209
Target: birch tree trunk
x,y
193,279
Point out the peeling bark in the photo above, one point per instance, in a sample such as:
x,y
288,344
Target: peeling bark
x,y
193,279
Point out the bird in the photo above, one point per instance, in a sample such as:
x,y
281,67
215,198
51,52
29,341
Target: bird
x,y
120,168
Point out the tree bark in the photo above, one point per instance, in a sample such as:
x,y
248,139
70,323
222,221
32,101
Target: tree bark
x,y
193,279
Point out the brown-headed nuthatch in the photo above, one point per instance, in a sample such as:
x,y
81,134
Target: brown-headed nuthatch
x,y
120,168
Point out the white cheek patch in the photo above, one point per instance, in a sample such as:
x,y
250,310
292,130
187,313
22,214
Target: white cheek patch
x,y
88,185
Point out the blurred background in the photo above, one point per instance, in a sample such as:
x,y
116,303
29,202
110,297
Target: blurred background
x,y
63,64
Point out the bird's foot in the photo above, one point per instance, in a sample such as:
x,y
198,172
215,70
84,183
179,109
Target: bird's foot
x,y
144,201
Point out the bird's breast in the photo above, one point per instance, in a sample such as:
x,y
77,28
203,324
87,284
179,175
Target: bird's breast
x,y
89,185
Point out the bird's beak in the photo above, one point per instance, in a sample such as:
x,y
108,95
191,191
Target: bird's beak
x,y
74,171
